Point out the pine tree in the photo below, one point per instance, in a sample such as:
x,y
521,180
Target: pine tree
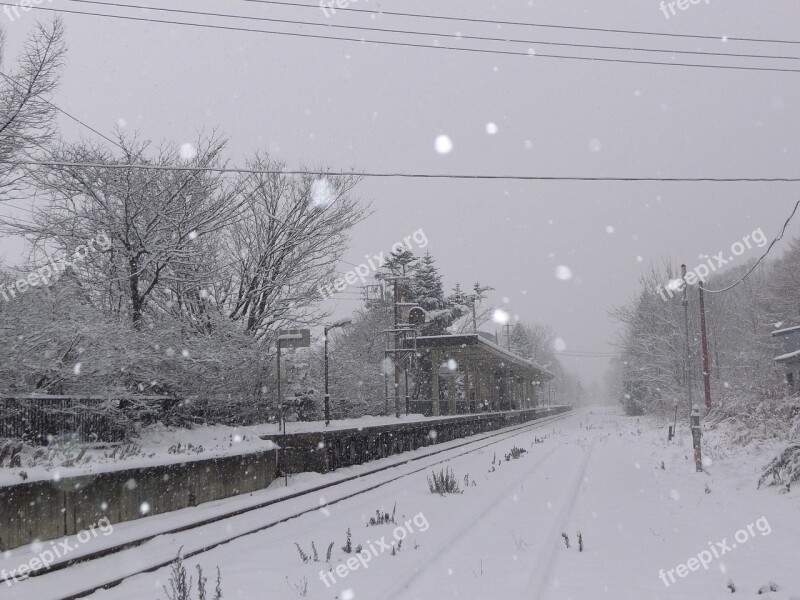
x,y
427,288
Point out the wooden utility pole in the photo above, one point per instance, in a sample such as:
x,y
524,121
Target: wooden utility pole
x,y
694,410
704,346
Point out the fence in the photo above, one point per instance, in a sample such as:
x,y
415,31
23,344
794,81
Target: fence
x,y
38,418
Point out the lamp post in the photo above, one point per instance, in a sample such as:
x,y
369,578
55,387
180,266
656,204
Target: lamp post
x,y
339,323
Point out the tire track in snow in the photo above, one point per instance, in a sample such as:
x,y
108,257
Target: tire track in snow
x,y
536,584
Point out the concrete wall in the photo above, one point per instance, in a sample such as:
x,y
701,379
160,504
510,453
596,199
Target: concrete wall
x,y
326,451
52,509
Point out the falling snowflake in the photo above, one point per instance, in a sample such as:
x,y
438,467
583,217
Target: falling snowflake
x,y
192,235
144,508
121,123
610,229
452,364
563,272
491,128
77,368
559,345
387,366
188,151
595,145
322,194
348,594
185,353
500,316
444,145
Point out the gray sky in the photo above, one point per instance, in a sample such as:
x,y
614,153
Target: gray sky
x,y
380,108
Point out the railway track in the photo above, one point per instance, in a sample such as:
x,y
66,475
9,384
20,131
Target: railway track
x,y
42,580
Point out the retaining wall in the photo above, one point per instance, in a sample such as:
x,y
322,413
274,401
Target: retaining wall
x,y
51,509
326,451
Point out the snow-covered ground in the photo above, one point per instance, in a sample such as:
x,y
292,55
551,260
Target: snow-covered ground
x,y
596,473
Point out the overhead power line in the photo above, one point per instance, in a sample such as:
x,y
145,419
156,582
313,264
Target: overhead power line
x,y
763,256
16,83
374,174
529,24
458,36
529,54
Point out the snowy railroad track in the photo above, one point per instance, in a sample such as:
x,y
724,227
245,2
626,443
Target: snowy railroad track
x,y
485,511
514,510
109,567
536,584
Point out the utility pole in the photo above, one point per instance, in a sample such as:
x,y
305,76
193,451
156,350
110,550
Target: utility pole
x,y
688,361
704,345
508,336
694,411
396,358
474,318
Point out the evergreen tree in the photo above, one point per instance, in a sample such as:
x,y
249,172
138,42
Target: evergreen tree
x,y
428,290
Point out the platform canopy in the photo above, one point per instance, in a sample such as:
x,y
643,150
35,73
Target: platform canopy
x,y
477,375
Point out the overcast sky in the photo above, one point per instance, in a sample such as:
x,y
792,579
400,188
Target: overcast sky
x,y
349,105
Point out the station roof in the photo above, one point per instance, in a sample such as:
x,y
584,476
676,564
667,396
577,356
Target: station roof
x,y
476,348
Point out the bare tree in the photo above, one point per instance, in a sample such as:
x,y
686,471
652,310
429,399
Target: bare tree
x,y
26,114
156,219
286,245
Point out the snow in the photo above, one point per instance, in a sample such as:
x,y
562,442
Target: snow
x,y
787,356
595,472
444,145
785,330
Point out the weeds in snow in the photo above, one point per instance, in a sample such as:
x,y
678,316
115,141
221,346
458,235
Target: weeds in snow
x,y
519,542
784,469
329,553
443,483
566,539
766,589
383,518
515,453
180,583
303,556
580,542
300,588
348,546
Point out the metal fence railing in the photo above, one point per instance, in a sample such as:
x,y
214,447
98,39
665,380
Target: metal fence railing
x,y
40,418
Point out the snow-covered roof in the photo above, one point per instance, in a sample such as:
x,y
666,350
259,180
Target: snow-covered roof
x,y
788,356
486,346
785,330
